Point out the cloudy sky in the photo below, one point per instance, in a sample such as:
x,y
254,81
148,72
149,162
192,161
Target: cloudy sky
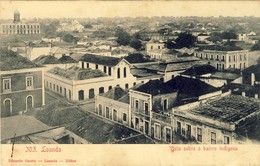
x,y
92,9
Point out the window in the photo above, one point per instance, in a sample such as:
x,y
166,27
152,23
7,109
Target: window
x,y
124,72
179,127
146,108
245,57
199,134
118,73
226,140
82,65
50,85
234,58
115,115
206,56
211,57
240,65
126,86
7,84
151,47
229,58
100,109
217,57
124,117
134,83
105,69
136,104
57,88
223,58
107,112
54,86
87,65
60,89
157,131
47,83
70,94
165,104
244,65
188,134
96,66
213,138
159,47
110,87
240,57
65,92
109,71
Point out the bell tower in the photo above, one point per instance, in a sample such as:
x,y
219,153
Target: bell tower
x,y
16,16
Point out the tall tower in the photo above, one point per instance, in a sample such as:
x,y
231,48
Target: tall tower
x,y
16,16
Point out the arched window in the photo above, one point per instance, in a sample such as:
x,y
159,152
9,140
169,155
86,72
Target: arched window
x,y
124,72
81,95
101,90
126,86
29,102
100,109
91,93
107,112
118,73
7,107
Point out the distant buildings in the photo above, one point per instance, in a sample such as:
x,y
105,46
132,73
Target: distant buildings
x,y
17,27
225,59
22,84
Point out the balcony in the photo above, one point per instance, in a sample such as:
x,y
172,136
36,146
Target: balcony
x,y
161,117
141,112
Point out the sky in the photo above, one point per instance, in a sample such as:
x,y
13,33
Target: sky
x,y
94,9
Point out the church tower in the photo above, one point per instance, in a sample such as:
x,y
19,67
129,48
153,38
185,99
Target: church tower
x,y
16,16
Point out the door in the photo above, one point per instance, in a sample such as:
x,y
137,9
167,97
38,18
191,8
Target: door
x,y
29,103
7,108
168,135
91,93
81,95
146,129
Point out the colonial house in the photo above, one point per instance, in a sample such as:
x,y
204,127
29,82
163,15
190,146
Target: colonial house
x,y
151,46
34,50
114,105
147,102
22,84
224,120
224,59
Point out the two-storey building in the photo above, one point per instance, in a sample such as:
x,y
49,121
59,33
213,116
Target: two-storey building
x,y
222,60
22,84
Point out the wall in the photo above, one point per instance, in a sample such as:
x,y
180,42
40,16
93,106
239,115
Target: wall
x,y
120,107
19,92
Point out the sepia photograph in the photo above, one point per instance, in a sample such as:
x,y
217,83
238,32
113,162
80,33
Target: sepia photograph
x,y
168,77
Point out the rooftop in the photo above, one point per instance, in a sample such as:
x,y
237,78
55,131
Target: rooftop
x,y
76,73
221,48
252,69
190,86
198,70
155,87
228,109
67,59
11,126
10,60
115,93
46,59
102,60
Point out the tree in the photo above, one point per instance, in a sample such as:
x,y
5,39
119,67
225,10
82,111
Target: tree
x,y
229,35
255,47
88,26
170,44
123,38
215,37
185,40
136,44
137,58
69,38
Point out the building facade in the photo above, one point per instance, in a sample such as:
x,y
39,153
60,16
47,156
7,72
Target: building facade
x,y
17,27
222,60
21,89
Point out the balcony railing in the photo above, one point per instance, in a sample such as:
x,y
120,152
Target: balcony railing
x,y
142,112
162,118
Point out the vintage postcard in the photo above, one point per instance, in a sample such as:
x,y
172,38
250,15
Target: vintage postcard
x,y
130,83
